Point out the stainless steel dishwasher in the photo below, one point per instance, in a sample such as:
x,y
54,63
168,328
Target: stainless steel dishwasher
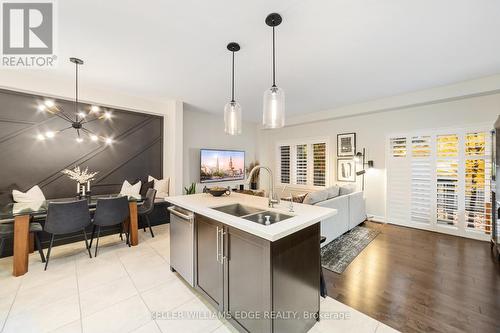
x,y
182,243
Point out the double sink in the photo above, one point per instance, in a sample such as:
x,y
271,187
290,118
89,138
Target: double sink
x,y
264,217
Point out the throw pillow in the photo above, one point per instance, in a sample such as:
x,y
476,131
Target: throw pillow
x,y
145,187
347,189
333,191
129,189
315,197
34,194
299,198
161,186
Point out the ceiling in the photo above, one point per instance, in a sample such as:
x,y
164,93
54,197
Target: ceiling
x,y
330,53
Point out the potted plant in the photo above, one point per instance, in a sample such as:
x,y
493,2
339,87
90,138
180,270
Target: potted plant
x,y
191,189
254,181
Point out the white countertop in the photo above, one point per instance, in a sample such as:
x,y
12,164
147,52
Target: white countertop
x,y
303,215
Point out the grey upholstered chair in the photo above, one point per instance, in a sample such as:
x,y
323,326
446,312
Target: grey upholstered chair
x,y
108,212
7,232
65,218
146,208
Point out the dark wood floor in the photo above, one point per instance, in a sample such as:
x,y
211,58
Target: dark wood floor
x,y
420,281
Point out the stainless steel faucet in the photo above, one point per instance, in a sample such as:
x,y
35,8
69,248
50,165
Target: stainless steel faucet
x,y
273,199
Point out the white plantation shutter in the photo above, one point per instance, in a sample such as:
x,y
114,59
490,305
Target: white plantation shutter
x,y
477,184
421,179
319,164
301,165
440,180
285,164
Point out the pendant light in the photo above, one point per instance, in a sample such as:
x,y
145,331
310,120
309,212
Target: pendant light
x,y
232,110
273,115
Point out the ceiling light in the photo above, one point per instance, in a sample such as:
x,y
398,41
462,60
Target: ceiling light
x,y
41,107
94,108
49,103
108,141
79,140
232,110
40,137
50,134
107,115
94,137
81,114
273,115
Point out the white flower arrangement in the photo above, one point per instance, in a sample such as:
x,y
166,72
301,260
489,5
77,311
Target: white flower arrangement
x,y
81,176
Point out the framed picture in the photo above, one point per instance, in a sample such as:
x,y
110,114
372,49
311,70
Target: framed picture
x,y
346,170
346,144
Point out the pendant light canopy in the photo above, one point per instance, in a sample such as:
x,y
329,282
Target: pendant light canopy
x,y
232,110
273,115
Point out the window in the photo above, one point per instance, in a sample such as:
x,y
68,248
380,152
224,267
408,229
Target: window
x,y
303,163
441,181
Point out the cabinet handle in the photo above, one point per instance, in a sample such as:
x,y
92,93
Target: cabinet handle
x,y
222,256
217,247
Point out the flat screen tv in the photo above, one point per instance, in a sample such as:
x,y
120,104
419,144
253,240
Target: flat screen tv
x,y
221,165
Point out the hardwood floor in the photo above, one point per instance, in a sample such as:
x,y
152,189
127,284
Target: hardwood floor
x,y
420,281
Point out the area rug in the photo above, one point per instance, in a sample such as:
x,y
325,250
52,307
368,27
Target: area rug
x,y
339,253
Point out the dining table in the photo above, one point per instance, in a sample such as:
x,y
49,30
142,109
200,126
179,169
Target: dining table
x,y
22,213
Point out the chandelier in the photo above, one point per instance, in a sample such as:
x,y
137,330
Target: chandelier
x,y
79,119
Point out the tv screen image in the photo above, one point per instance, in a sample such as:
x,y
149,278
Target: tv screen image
x,y
221,165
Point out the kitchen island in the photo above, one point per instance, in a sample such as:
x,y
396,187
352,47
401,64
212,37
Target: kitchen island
x,y
258,266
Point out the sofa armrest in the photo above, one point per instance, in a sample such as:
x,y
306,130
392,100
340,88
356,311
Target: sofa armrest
x,y
357,209
336,225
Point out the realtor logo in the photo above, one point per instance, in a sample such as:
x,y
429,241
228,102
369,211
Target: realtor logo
x,y
28,34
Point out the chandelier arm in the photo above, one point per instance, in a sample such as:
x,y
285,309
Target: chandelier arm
x,y
62,115
64,129
89,121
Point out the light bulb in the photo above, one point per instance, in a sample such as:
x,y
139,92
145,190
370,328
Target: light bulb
x,y
41,107
40,137
94,137
50,134
94,108
108,141
79,140
49,103
81,114
107,115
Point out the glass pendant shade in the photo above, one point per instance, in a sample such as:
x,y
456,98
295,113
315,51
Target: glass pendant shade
x,y
232,118
273,115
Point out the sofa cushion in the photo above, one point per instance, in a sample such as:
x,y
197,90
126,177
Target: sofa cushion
x,y
132,190
315,197
34,194
347,189
333,191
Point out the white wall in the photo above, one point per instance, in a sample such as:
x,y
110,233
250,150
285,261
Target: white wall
x,y
206,130
39,82
372,128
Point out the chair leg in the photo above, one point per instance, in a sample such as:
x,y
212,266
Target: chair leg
x,y
39,246
121,231
149,225
127,235
2,245
322,284
141,218
92,236
86,242
97,240
48,252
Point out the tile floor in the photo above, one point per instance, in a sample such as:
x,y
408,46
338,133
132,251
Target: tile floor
x,y
119,291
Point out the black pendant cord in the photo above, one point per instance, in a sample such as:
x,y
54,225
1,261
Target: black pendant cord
x,y
76,92
274,61
232,83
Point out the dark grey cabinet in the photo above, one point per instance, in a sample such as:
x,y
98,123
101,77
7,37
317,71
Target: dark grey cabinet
x,y
208,270
255,281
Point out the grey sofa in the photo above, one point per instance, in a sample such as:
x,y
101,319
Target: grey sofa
x,y
350,206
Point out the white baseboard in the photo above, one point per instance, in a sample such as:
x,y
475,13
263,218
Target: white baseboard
x,y
375,218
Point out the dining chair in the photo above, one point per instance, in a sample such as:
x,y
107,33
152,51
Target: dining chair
x,y
146,208
7,232
65,218
108,212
